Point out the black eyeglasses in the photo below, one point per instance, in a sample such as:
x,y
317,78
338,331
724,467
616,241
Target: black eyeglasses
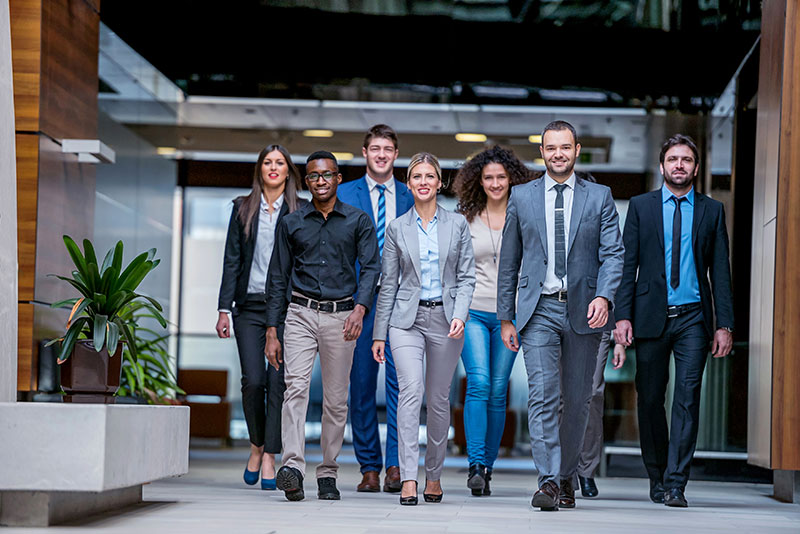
x,y
314,176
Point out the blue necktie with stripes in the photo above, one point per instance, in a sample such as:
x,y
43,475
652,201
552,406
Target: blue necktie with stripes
x,y
381,218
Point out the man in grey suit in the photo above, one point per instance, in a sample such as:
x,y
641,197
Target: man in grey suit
x,y
562,251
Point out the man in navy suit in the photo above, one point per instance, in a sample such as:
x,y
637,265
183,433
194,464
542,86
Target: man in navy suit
x,y
675,240
384,198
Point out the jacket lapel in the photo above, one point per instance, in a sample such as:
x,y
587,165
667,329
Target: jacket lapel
x,y
411,241
578,203
657,213
538,209
365,203
444,233
697,216
403,198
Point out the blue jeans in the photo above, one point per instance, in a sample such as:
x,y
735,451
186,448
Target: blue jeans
x,y
488,365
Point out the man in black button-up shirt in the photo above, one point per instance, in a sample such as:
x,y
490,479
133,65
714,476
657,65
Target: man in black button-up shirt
x,y
316,249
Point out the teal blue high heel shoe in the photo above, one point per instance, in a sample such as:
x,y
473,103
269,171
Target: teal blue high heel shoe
x,y
251,477
268,484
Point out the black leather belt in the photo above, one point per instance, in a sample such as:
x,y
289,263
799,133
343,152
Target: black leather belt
x,y
561,295
430,303
675,311
326,306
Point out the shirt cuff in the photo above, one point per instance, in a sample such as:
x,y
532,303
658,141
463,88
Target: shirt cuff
x,y
224,310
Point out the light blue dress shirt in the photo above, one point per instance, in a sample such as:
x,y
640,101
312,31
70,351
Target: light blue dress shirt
x,y
688,291
429,258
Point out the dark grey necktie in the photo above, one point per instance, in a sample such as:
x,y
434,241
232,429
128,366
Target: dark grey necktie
x,y
675,270
561,245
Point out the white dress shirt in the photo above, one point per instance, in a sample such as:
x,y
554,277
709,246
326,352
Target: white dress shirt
x,y
390,195
552,283
265,240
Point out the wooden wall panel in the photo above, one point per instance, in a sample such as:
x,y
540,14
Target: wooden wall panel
x,y
66,206
26,43
70,40
25,368
27,188
786,364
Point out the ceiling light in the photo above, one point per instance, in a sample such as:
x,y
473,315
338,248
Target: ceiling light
x,y
318,133
470,137
166,151
538,161
501,92
573,95
343,156
535,139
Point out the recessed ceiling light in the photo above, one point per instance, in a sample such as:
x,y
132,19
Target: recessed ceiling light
x,y
535,139
166,151
538,161
318,133
470,137
343,156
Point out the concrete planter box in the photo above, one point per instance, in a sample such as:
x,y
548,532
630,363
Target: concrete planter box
x,y
62,461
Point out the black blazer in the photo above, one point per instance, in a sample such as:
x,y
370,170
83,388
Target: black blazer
x,y
239,257
642,297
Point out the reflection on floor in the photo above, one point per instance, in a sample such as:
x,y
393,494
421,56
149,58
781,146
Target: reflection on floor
x,y
212,498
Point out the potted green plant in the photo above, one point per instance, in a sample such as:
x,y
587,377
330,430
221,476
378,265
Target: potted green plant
x,y
91,348
148,378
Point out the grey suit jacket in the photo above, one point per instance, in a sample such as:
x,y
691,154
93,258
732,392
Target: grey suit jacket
x,y
595,253
401,281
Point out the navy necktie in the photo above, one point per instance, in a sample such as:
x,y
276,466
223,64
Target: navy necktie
x,y
675,270
561,246
381,218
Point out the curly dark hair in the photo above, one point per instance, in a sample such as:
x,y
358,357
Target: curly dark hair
x,y
467,184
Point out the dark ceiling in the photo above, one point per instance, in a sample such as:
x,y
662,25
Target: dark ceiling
x,y
252,49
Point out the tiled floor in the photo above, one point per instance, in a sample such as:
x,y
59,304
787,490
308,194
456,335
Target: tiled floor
x,y
213,499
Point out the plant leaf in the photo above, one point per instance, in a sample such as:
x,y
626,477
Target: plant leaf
x,y
75,254
71,337
113,337
78,308
132,266
107,261
64,303
118,256
129,338
82,289
100,322
152,301
88,251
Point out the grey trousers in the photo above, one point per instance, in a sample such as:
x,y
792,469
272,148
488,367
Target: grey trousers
x,y
560,364
308,331
424,349
593,438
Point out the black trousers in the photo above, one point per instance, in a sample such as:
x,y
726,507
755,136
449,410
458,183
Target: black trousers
x,y
262,384
668,455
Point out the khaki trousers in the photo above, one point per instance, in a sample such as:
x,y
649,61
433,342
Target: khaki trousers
x,y
308,332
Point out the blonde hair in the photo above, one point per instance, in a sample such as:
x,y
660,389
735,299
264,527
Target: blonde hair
x,y
425,157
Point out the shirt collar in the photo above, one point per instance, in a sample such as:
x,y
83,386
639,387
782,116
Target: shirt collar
x,y
666,194
372,184
338,208
550,183
275,205
419,219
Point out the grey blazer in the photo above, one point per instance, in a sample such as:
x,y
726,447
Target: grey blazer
x,y
401,281
595,253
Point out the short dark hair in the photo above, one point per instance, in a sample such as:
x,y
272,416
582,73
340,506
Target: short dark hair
x,y
381,131
558,126
322,154
678,139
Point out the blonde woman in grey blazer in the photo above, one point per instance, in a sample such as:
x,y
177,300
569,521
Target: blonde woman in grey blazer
x,y
426,290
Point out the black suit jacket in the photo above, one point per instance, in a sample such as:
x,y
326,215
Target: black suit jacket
x,y
642,295
239,257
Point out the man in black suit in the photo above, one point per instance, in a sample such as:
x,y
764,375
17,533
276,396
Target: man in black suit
x,y
667,306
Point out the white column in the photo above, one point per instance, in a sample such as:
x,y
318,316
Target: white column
x,y
8,218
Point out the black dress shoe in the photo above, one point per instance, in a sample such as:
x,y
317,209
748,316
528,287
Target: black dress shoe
x,y
546,498
326,489
566,495
476,479
588,487
486,489
290,481
656,492
674,497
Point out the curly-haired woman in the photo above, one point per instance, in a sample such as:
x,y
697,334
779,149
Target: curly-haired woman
x,y
483,186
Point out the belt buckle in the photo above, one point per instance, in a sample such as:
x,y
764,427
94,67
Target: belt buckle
x,y
313,304
671,314
561,292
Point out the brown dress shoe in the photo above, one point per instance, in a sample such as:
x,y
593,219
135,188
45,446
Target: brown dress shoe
x,y
566,498
370,482
546,497
392,483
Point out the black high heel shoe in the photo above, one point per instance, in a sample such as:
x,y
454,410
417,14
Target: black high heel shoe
x,y
432,497
410,501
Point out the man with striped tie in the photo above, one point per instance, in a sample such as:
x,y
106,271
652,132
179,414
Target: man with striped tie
x,y
560,266
384,198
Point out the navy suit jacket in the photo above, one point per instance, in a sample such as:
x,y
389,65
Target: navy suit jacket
x,y
642,295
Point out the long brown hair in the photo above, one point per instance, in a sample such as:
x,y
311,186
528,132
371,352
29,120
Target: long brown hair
x,y
251,203
468,187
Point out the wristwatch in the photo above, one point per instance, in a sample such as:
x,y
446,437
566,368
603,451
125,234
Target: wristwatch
x,y
729,329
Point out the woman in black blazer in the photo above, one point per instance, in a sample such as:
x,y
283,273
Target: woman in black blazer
x,y
248,248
